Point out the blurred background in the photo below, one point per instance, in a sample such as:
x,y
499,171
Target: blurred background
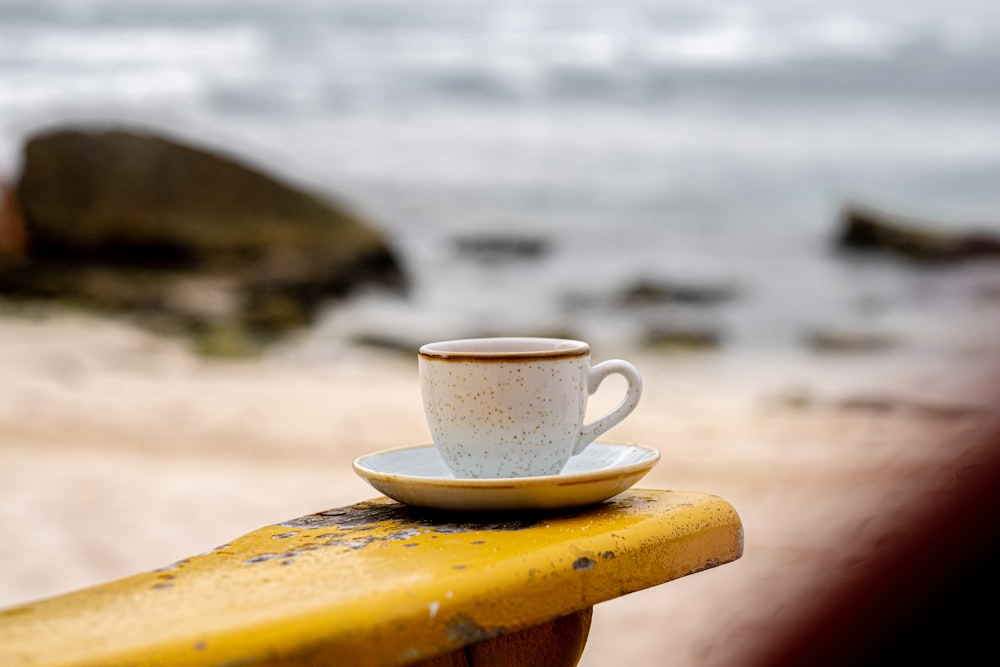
x,y
644,175
535,163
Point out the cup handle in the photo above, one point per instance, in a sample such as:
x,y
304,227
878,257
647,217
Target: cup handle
x,y
595,377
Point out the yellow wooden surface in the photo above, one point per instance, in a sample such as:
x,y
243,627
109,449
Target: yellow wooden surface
x,y
376,583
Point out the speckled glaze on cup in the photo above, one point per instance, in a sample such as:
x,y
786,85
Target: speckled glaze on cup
x,y
515,407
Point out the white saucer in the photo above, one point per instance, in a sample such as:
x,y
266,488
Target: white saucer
x,y
418,476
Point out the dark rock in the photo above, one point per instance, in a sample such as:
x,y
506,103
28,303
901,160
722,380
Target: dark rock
x,y
501,248
683,338
182,237
646,292
864,229
849,342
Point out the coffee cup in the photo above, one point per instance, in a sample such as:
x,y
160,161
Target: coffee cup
x,y
515,406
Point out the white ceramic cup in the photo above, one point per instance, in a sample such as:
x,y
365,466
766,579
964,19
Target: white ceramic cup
x,y
515,407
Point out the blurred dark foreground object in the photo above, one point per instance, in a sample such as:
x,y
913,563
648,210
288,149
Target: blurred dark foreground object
x,y
921,593
865,229
181,239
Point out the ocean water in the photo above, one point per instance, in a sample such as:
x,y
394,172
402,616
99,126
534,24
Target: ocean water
x,y
690,143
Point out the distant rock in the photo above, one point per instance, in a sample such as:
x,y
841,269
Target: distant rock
x,y
849,342
493,249
683,338
646,292
864,229
183,238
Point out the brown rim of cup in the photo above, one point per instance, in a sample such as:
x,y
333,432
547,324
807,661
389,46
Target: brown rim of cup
x,y
504,348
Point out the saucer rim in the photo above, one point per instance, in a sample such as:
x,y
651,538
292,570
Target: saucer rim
x,y
559,479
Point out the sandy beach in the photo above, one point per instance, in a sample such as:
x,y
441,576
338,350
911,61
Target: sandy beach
x,y
120,452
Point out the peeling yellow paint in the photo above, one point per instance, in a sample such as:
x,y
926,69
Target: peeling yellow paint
x,y
376,583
